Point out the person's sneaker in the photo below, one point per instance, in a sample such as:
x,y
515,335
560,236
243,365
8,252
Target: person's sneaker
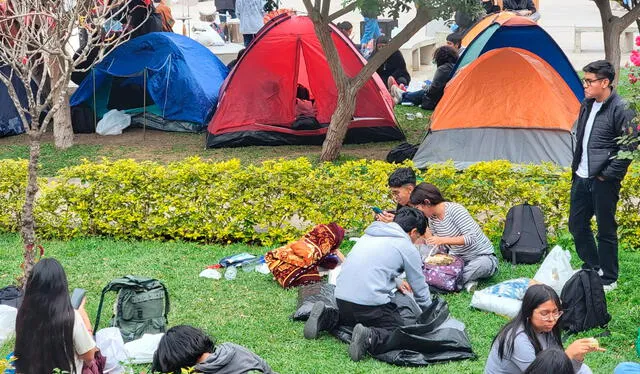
x,y
396,93
391,81
403,87
360,342
471,286
610,287
312,326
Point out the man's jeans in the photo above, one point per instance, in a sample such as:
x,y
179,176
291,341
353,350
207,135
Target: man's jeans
x,y
589,197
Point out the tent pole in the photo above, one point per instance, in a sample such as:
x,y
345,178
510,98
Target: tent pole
x,y
144,104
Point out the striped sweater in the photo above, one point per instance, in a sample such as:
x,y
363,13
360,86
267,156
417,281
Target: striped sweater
x,y
458,222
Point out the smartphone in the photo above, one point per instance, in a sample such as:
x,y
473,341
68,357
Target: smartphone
x,y
77,296
377,210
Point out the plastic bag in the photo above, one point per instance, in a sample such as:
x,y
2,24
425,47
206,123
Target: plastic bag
x,y
109,341
141,351
113,123
504,298
556,269
7,322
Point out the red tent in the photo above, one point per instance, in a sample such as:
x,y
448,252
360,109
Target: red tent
x,y
257,104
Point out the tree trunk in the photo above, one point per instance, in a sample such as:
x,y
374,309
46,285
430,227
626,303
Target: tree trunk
x,y
339,124
27,230
62,130
612,47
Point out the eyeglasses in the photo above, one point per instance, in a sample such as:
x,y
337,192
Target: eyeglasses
x,y
550,316
589,82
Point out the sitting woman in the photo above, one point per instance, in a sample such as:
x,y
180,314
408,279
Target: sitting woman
x,y
445,58
452,227
49,333
534,330
184,347
394,70
306,110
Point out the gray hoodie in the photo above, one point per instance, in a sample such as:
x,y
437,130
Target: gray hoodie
x,y
380,255
229,358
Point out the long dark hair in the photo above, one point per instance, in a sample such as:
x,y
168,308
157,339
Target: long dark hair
x,y
552,360
426,191
44,324
535,296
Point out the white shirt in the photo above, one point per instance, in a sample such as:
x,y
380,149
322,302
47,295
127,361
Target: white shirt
x,y
250,13
583,167
82,341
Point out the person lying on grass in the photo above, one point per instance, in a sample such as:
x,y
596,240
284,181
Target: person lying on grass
x,y
50,334
534,330
367,281
185,347
452,227
401,183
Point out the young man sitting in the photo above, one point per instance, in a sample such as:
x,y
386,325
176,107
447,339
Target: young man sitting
x,y
401,183
367,280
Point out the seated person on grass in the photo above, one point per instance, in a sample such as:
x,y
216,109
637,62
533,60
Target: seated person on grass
x,y
394,70
233,62
401,183
451,227
445,58
534,330
184,347
367,280
306,110
454,40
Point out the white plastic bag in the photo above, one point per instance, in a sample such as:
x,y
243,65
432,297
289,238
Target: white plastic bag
x,y
109,341
141,351
113,123
556,269
7,322
504,306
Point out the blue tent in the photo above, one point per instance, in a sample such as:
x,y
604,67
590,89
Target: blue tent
x,y
10,122
182,80
519,32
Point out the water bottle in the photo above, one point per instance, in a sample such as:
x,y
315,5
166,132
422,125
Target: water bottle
x,y
230,273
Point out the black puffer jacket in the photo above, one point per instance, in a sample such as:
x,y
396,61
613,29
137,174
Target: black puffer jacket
x,y
435,92
519,5
611,121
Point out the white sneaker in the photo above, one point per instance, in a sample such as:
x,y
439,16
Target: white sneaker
x,y
471,286
610,287
396,93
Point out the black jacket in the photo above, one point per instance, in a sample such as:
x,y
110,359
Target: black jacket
x,y
610,122
394,66
519,5
436,90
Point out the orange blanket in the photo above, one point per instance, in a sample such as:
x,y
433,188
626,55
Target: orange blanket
x,y
295,264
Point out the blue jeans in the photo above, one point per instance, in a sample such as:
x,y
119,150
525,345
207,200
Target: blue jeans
x,y
627,368
413,97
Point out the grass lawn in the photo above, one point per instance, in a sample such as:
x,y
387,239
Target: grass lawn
x,y
166,147
253,310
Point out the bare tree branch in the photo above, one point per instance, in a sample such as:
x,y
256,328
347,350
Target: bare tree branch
x,y
348,9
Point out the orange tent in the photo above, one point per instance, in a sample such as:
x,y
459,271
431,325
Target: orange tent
x,y
508,104
487,21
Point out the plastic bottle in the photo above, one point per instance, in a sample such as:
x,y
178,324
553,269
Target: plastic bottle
x,y
230,273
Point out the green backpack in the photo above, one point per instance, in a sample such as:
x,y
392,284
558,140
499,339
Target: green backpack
x,y
141,307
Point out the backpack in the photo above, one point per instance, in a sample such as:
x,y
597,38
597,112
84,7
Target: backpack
x,y
402,152
524,239
141,307
583,302
11,296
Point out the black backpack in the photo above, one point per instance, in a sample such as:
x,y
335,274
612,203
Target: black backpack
x,y
402,152
524,240
11,296
583,302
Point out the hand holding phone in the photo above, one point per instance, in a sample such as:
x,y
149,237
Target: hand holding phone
x,y
377,210
77,296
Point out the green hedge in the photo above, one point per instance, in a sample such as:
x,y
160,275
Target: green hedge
x,y
276,201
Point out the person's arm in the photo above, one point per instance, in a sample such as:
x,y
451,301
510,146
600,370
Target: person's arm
x,y
413,270
531,6
623,118
83,342
436,90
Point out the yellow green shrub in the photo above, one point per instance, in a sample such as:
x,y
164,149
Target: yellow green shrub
x,y
278,200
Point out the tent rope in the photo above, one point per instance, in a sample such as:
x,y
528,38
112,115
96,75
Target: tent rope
x,y
144,104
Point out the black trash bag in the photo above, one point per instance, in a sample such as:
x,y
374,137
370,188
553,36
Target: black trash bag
x,y
428,337
11,296
402,152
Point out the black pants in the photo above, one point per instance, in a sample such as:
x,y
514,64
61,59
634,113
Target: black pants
x,y
382,319
589,197
247,39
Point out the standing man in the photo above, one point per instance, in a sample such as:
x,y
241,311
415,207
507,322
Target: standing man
x,y
597,174
250,13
